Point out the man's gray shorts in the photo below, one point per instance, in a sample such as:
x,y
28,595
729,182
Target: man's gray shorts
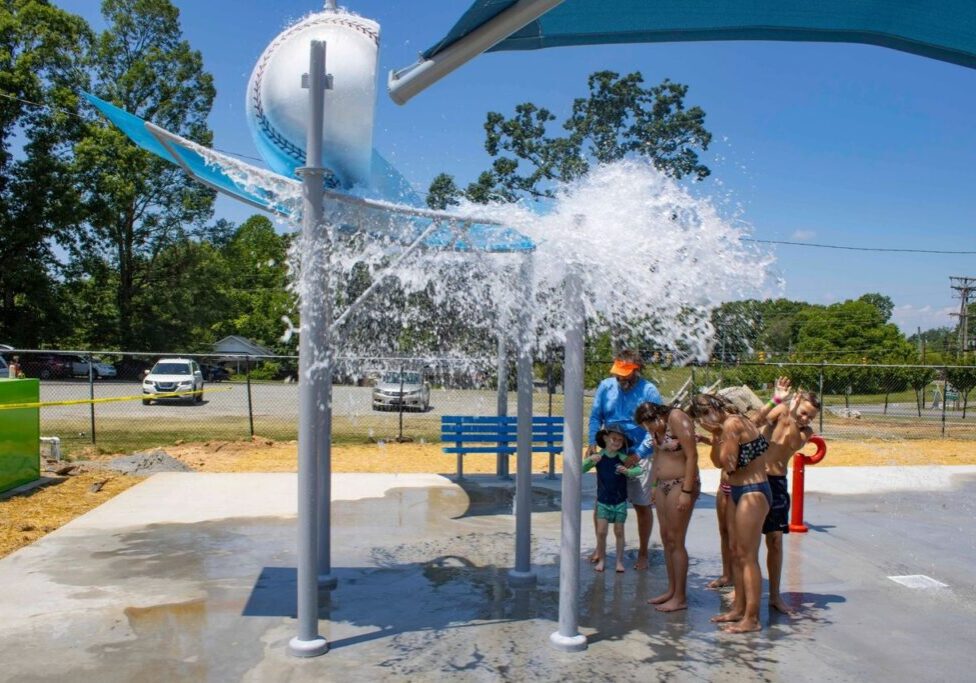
x,y
639,487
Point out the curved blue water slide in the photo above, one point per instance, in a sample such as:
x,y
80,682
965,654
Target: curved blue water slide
x,y
281,195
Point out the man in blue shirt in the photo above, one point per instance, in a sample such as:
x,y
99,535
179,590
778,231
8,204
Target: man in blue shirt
x,y
614,403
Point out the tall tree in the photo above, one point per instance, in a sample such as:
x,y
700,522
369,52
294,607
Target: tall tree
x,y
257,286
41,55
620,118
137,205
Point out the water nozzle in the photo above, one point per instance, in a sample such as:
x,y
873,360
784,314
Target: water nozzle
x,y
330,5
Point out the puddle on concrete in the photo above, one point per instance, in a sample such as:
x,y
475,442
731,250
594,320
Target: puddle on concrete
x,y
500,499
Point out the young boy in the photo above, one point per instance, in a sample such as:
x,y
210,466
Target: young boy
x,y
786,426
611,490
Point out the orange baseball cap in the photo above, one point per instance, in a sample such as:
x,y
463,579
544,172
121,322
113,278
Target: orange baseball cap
x,y
623,368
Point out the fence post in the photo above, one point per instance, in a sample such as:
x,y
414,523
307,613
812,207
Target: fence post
x,y
691,389
820,396
945,386
250,407
91,395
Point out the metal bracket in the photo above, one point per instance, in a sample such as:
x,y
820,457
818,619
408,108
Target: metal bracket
x,y
328,81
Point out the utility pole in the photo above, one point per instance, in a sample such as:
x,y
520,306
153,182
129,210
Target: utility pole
x,y
965,286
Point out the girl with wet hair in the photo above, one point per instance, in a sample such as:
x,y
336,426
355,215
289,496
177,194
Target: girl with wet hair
x,y
739,449
676,488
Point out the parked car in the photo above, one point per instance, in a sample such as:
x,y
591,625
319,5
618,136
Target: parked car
x,y
132,368
410,390
45,365
79,368
214,373
170,375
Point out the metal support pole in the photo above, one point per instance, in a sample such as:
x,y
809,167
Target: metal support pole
x,y
250,404
820,396
308,642
501,462
91,394
568,638
522,574
945,388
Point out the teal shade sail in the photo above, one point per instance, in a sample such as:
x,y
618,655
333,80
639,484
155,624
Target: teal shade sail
x,y
939,29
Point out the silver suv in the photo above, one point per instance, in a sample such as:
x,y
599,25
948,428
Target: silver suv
x,y
173,375
409,390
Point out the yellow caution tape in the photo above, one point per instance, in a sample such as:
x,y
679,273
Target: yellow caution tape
x,y
113,399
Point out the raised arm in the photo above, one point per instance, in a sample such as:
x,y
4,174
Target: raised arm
x,y
596,417
770,411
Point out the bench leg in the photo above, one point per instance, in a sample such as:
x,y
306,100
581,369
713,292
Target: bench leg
x,y
460,466
552,466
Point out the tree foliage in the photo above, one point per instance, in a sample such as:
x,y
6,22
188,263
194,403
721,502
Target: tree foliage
x,y
619,118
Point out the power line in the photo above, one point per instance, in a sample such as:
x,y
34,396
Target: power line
x,y
847,248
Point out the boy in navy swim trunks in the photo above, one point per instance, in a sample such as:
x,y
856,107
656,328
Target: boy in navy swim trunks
x,y
786,425
611,490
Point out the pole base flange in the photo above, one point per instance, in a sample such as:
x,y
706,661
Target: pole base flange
x,y
307,648
575,643
520,579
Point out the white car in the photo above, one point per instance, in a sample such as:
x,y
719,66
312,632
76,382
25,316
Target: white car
x,y
79,368
169,375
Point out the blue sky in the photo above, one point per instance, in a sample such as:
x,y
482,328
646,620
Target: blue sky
x,y
840,144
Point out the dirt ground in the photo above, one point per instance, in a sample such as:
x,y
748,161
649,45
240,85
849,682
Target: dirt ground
x,y
26,517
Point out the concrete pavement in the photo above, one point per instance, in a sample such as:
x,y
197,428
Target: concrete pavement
x,y
190,577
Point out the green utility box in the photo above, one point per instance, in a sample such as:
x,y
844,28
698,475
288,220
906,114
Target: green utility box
x,y
20,433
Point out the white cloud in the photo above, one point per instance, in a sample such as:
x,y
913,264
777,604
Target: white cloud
x,y
910,317
803,235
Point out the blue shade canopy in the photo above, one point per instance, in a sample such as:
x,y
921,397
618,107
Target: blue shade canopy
x,y
940,29
280,195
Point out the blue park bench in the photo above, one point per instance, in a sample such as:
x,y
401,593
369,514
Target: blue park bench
x,y
464,434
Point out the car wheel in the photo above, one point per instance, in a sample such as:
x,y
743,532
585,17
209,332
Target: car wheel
x,y
95,374
199,397
146,401
45,373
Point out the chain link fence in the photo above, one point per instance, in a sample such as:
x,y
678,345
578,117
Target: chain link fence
x,y
93,399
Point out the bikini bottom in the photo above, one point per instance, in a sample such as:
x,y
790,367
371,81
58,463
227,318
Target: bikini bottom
x,y
761,487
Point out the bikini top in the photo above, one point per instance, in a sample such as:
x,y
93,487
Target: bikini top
x,y
668,443
752,450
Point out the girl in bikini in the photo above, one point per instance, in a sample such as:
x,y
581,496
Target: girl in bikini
x,y
739,447
677,485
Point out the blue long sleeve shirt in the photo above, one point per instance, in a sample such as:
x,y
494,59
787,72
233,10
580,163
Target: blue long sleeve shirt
x,y
612,405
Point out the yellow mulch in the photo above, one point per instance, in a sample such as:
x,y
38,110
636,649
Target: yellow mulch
x,y
27,517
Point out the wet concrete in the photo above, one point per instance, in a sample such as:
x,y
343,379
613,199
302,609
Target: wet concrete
x,y
423,595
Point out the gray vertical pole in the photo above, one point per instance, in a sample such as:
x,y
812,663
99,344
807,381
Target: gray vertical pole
x,y
501,463
522,574
308,642
91,394
945,387
568,638
250,404
820,396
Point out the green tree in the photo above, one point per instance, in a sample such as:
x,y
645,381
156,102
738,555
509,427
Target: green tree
x,y
619,118
136,205
883,303
41,53
963,378
256,286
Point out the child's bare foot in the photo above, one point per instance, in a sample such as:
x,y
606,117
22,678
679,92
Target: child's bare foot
x,y
720,582
641,562
779,605
594,557
726,617
662,598
599,566
672,605
621,568
743,626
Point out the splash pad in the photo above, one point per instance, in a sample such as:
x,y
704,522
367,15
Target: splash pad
x,y
624,249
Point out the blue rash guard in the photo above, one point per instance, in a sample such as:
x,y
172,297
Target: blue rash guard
x,y
611,405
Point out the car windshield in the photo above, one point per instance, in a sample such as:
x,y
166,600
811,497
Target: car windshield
x,y
171,369
408,378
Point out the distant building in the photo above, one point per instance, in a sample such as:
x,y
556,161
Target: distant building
x,y
234,345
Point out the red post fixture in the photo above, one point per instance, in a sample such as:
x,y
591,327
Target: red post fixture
x,y
800,461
